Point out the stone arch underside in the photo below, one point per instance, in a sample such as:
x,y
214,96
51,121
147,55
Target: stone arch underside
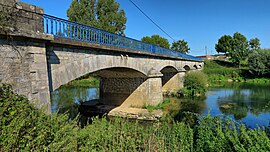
x,y
121,86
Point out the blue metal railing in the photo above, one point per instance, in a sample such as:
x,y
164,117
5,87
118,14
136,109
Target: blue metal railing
x,y
72,30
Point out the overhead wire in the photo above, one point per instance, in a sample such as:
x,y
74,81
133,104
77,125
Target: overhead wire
x,y
151,19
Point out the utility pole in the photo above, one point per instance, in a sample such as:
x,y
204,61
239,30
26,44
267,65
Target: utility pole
x,y
205,50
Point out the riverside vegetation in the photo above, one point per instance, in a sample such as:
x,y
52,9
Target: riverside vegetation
x,y
225,71
25,128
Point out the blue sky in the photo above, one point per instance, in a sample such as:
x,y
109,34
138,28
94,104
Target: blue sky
x,y
200,22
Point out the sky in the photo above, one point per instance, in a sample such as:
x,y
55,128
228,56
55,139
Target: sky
x,y
199,22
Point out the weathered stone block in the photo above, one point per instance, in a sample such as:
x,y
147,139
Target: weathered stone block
x,y
40,58
36,50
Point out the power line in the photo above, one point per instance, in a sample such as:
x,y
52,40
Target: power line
x,y
151,19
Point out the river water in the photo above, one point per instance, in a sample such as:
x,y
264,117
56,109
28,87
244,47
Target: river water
x,y
249,104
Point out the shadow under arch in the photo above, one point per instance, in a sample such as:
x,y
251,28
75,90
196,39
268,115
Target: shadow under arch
x,y
168,72
187,68
117,84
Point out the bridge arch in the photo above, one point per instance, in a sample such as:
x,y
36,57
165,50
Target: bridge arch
x,y
62,72
187,67
168,72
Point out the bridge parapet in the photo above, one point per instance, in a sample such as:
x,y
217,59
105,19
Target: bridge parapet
x,y
79,32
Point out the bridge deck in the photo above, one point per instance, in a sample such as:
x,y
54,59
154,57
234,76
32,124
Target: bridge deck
x,y
70,30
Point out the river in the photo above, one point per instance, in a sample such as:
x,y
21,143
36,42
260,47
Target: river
x,y
245,103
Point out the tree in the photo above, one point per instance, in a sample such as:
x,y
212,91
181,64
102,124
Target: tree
x,y
259,62
239,51
254,44
156,40
103,14
225,44
235,47
180,46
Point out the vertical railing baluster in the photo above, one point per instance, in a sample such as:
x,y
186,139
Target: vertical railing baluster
x,y
47,26
51,26
99,37
55,27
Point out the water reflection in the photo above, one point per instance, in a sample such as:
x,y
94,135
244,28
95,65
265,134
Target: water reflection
x,y
246,103
243,102
189,109
68,99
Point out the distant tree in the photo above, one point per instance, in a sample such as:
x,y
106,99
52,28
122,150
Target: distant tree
x,y
254,44
180,46
259,62
157,40
225,44
240,48
103,14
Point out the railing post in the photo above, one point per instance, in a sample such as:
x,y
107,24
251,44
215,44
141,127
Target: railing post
x,y
153,48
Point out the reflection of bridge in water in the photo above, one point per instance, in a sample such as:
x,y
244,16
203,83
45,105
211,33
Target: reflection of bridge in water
x,y
132,73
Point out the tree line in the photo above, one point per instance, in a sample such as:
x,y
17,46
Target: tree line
x,y
240,50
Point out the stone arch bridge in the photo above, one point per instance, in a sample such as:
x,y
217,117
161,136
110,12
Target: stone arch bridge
x,y
127,78
46,52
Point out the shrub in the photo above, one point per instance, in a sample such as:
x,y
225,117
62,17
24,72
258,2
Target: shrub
x,y
259,62
25,128
195,83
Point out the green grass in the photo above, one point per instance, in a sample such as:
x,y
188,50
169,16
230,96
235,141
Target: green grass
x,y
160,106
86,82
218,70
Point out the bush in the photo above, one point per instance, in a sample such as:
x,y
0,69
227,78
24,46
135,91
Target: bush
x,y
217,134
259,62
25,128
195,83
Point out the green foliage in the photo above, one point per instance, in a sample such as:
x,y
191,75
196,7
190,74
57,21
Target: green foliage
x,y
216,134
217,70
195,83
180,46
254,44
8,18
103,14
259,62
25,128
156,40
161,105
225,71
87,82
240,48
225,44
236,47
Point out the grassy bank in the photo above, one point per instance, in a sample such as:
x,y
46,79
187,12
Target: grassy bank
x,y
90,81
25,128
218,70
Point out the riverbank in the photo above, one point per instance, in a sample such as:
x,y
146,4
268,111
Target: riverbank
x,y
89,81
225,71
25,128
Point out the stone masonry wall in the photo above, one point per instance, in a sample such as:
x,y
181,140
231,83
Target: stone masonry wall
x,y
23,16
23,51
23,64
